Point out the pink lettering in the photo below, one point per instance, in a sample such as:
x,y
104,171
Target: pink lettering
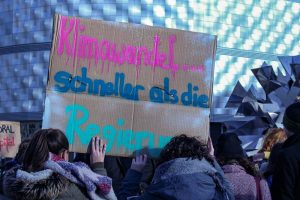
x,y
89,48
155,49
161,61
148,58
7,142
75,40
63,40
97,54
104,52
200,68
130,54
86,48
140,51
120,56
173,66
90,43
185,67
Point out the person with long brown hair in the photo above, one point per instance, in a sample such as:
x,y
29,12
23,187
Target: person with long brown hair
x,y
46,173
239,170
273,136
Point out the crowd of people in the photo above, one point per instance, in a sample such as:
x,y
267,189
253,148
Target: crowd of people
x,y
187,168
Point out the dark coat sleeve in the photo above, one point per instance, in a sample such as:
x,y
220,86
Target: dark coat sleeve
x,y
117,168
284,178
99,168
130,185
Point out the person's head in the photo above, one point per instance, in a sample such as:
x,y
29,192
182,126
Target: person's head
x,y
229,146
183,146
21,151
230,151
291,119
43,142
273,136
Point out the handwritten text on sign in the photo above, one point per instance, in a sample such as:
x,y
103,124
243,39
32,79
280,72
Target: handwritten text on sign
x,y
10,138
134,85
83,46
119,87
114,135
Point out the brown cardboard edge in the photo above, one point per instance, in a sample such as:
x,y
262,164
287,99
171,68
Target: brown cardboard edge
x,y
213,69
54,41
212,80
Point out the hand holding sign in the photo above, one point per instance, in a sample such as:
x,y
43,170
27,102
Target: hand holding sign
x,y
98,150
139,163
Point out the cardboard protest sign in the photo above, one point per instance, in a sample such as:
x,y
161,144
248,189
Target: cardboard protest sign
x,y
10,138
133,85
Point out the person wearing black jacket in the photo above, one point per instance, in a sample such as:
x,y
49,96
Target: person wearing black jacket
x,y
286,178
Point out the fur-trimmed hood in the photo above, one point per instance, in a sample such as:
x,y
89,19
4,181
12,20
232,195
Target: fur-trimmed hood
x,y
44,185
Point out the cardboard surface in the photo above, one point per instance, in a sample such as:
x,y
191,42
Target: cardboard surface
x,y
10,138
133,85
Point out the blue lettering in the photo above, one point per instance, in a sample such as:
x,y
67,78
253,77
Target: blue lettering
x,y
203,101
74,124
135,92
80,84
186,97
109,133
166,89
75,81
97,83
156,95
109,89
173,94
125,90
64,78
144,136
78,117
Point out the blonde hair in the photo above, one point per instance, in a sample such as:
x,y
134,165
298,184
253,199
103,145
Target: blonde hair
x,y
273,136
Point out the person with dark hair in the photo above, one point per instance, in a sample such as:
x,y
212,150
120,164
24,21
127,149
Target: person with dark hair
x,y
241,173
47,174
186,170
18,160
286,177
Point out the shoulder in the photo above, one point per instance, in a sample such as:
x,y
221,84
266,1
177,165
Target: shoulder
x,y
264,185
265,190
289,155
73,192
18,184
292,150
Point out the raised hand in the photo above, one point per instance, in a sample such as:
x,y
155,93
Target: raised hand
x,y
98,150
139,162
